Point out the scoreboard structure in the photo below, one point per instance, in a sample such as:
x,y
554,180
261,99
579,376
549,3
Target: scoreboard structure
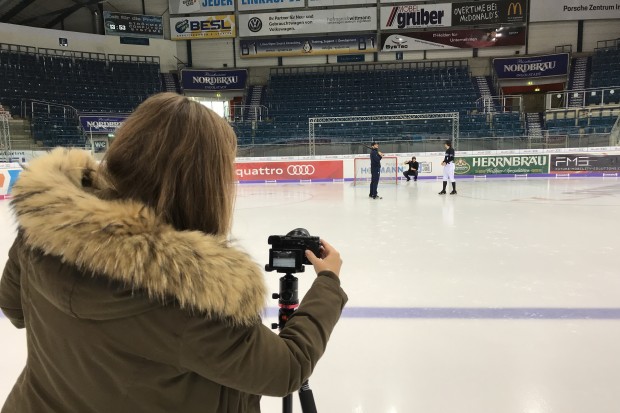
x,y
133,25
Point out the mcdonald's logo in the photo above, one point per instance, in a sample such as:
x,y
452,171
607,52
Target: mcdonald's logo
x,y
513,7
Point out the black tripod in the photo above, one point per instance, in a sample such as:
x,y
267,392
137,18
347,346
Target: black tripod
x,y
288,302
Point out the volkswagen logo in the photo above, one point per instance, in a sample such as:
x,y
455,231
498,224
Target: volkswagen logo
x,y
300,170
255,24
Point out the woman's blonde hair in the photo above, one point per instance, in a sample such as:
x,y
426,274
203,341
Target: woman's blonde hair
x,y
177,156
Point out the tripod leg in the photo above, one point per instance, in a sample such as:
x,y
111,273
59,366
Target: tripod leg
x,y
287,404
306,399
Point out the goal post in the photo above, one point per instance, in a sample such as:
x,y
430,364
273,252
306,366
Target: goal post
x,y
316,124
389,170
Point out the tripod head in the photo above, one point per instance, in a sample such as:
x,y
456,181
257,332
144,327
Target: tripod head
x,y
288,299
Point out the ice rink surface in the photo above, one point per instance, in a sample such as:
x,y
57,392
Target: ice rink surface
x,y
502,299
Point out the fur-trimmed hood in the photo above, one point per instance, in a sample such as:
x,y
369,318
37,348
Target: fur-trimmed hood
x,y
59,214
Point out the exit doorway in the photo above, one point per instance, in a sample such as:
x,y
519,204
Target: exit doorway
x,y
533,102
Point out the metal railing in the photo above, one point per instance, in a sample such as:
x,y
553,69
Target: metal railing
x,y
503,104
71,53
28,108
244,113
34,109
365,67
5,137
614,136
608,44
564,48
581,97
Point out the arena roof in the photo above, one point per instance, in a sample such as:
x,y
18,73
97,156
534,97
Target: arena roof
x,y
49,13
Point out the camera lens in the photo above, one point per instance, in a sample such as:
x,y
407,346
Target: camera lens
x,y
299,232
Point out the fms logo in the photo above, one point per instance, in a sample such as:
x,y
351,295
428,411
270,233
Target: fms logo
x,y
515,9
181,26
255,24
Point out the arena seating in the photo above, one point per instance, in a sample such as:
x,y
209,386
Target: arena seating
x,y
581,121
5,112
87,85
294,97
605,74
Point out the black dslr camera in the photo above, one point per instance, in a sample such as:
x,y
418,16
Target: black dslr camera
x,y
288,252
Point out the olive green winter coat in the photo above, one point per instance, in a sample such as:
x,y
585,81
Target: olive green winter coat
x,y
123,313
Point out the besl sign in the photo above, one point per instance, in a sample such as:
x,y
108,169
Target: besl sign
x,y
202,27
499,165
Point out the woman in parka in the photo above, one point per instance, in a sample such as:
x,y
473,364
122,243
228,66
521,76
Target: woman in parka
x,y
132,297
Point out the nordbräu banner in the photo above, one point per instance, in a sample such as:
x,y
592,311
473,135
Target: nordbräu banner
x,y
453,39
308,46
530,67
214,79
102,123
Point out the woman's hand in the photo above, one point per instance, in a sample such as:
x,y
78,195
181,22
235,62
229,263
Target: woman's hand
x,y
329,261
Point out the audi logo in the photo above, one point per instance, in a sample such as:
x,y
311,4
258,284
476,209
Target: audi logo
x,y
255,24
300,170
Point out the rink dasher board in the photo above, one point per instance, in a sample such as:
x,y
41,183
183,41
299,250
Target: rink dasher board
x,y
431,167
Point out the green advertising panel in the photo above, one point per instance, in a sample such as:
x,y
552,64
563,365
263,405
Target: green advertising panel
x,y
497,165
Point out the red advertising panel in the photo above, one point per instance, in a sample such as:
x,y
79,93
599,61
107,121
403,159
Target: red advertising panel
x,y
289,170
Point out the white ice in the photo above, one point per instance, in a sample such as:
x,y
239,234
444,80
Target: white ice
x,y
503,298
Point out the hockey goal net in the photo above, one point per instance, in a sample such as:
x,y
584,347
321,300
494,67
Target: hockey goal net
x,y
389,170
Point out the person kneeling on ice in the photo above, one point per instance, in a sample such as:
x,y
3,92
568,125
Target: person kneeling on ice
x,y
413,169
